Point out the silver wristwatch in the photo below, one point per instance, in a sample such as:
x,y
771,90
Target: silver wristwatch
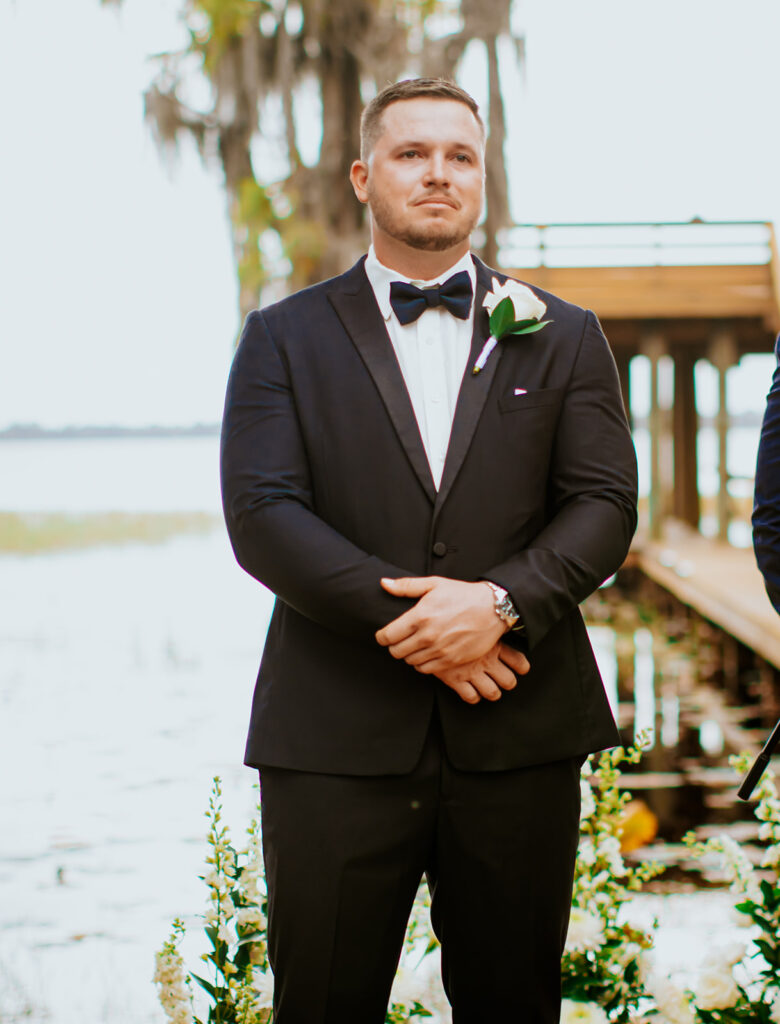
x,y
504,606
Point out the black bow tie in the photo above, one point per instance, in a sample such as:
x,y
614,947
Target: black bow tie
x,y
409,301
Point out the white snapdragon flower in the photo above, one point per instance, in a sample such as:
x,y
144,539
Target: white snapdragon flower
x,y
586,931
738,868
609,848
524,302
250,915
671,1001
768,809
173,994
774,1013
716,990
771,858
587,800
587,853
263,984
573,1012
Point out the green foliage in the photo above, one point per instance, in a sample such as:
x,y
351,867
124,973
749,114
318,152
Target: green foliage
x,y
216,25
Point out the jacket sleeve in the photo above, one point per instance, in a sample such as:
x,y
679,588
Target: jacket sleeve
x,y
592,497
268,503
766,506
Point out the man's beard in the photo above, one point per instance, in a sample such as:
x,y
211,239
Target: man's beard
x,y
417,237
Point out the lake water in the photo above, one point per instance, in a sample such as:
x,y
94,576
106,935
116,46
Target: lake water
x,y
110,475
125,684
182,474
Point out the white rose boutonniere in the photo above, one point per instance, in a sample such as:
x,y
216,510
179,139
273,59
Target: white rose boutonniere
x,y
513,309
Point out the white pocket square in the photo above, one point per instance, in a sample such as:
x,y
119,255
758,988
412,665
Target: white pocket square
x,y
521,391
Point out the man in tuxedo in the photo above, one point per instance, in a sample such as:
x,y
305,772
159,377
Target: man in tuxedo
x,y
427,690
766,504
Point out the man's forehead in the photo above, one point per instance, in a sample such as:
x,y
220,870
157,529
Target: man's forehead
x,y
423,118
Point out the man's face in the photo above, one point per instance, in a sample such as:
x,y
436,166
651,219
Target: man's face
x,y
424,179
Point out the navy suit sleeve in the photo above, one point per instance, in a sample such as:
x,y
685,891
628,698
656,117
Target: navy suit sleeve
x,y
766,506
268,502
592,496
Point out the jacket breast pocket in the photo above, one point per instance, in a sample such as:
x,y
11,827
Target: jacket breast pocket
x,y
529,399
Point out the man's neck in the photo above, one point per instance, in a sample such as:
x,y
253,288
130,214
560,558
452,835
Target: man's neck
x,y
417,264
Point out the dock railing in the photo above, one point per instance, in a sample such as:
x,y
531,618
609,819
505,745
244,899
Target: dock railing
x,y
692,243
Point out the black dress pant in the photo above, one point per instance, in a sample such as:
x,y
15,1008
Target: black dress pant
x,y
344,856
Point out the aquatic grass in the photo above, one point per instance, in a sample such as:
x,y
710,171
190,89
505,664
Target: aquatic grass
x,y
32,533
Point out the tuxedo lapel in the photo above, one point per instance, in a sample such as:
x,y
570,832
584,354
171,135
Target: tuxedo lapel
x,y
473,390
353,299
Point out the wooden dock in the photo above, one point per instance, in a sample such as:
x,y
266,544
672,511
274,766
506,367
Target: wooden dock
x,y
669,294
720,582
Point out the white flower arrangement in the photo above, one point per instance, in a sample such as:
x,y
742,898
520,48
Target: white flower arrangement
x,y
608,975
718,996
604,962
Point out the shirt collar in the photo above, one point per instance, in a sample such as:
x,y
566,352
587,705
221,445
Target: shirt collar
x,y
381,277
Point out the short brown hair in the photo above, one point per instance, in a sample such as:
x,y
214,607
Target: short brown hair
x,y
409,89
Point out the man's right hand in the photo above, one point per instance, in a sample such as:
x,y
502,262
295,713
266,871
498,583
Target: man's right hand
x,y
488,676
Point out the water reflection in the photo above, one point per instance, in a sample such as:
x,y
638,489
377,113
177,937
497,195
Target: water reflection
x,y
666,678
644,689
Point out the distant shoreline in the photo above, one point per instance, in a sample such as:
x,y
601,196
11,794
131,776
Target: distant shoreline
x,y
33,432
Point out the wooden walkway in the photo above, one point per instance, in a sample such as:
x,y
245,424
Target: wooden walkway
x,y
666,293
720,582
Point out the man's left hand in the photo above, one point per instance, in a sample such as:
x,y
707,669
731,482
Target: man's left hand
x,y
453,623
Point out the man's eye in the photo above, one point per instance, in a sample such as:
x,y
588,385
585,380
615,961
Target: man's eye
x,y
463,158
409,153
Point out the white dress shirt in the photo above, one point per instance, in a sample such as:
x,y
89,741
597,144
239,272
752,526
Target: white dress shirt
x,y
432,352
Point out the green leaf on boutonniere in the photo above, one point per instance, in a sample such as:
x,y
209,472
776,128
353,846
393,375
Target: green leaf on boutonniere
x,y
533,326
503,323
502,317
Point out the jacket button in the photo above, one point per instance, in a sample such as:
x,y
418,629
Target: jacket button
x,y
440,548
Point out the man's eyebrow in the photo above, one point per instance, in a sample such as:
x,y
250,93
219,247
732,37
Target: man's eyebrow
x,y
415,144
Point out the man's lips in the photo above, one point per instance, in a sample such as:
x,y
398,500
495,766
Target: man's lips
x,y
437,201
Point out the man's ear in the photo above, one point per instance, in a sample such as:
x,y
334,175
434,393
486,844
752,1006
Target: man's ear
x,y
358,175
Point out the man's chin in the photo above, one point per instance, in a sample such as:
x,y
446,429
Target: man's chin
x,y
434,241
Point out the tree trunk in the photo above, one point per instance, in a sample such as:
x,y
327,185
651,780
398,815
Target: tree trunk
x,y
497,216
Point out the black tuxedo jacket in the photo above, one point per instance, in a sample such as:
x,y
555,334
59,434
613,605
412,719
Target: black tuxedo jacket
x,y
326,488
766,506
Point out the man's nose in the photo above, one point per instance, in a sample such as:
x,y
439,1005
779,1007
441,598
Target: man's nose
x,y
436,172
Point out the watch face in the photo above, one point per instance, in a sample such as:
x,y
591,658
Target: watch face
x,y
506,610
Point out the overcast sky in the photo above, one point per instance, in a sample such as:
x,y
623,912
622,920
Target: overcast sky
x,y
118,299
